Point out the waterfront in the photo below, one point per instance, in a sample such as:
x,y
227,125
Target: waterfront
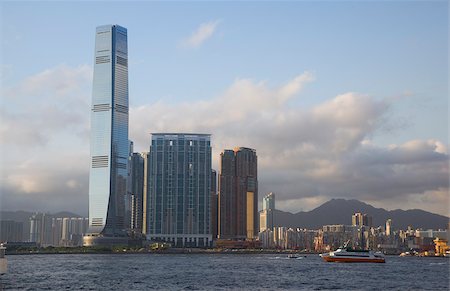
x,y
218,272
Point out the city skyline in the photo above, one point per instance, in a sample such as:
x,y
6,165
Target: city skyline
x,y
331,112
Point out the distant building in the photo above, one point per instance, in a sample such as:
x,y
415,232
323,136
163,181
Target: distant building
x,y
266,215
359,219
41,229
388,227
269,201
288,238
72,231
179,190
334,236
238,194
11,231
441,247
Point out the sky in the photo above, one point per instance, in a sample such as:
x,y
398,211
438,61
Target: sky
x,y
340,99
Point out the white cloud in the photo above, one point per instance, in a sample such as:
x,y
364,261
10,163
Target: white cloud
x,y
44,135
305,155
55,100
324,151
201,34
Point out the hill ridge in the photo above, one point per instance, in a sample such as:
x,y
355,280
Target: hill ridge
x,y
340,211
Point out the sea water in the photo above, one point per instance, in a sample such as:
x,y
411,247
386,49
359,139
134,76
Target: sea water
x,y
219,272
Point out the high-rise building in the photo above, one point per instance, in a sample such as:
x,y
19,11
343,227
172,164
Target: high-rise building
x,y
388,227
214,204
109,137
69,231
269,201
178,198
227,195
266,216
41,229
145,189
136,190
135,185
11,231
238,194
360,219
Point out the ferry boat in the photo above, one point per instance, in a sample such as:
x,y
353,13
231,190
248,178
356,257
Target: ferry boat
x,y
347,255
3,262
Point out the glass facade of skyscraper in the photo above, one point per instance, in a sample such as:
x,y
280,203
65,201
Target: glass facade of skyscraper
x,y
178,205
269,201
109,132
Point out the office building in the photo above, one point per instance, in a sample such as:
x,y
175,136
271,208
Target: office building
x,y
388,227
41,229
11,231
146,183
360,219
109,138
135,190
214,204
179,190
269,201
266,215
238,194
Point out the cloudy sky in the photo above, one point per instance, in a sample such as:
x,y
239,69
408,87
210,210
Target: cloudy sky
x,y
340,99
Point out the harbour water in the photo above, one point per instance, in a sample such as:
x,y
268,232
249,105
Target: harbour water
x,y
218,272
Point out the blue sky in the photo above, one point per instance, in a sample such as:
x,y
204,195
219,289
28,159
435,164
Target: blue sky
x,y
388,59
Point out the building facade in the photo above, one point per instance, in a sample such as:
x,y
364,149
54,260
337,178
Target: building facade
x,y
179,190
269,201
214,205
11,231
136,191
109,134
266,215
41,229
360,219
238,194
145,190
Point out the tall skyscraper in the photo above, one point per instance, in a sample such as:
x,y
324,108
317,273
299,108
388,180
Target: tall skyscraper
x,y
227,195
214,204
238,194
266,216
178,198
109,136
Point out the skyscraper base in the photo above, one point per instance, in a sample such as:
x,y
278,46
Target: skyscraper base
x,y
100,240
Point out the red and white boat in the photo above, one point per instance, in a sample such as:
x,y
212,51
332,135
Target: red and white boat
x,y
348,255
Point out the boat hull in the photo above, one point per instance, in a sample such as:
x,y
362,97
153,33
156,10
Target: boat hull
x,y
352,260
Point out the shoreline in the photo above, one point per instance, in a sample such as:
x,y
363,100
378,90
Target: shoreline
x,y
189,252
160,252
